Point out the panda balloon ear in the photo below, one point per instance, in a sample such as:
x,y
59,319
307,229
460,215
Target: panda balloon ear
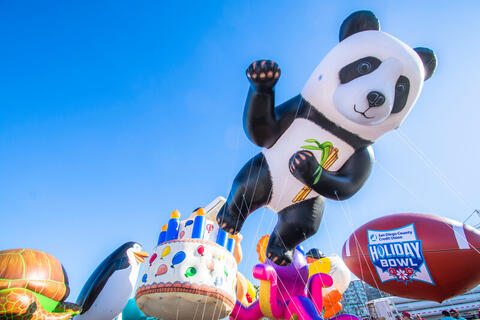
x,y
357,22
429,60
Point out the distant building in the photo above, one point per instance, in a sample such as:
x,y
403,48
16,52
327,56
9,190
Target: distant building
x,y
374,293
356,295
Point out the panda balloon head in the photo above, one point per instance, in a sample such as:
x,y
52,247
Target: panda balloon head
x,y
317,145
370,79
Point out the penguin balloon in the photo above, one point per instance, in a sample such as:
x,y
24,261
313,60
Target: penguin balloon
x,y
108,289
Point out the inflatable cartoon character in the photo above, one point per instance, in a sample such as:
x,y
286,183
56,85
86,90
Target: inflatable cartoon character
x,y
33,286
335,268
317,145
286,292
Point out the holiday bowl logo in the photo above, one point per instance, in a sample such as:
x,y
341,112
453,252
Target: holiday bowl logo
x,y
397,255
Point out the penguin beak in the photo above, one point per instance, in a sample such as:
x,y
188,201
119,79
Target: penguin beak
x,y
140,256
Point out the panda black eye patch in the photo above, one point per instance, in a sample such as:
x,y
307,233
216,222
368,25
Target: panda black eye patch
x,y
358,68
402,88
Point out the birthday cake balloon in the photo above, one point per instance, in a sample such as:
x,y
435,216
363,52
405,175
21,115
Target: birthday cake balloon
x,y
193,263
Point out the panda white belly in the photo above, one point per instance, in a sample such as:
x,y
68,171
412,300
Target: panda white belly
x,y
285,186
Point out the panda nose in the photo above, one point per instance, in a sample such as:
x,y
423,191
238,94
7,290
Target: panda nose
x,y
375,99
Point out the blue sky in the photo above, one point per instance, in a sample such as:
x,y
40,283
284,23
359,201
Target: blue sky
x,y
113,114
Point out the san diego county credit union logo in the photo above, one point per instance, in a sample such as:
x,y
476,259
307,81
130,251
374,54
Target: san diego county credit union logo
x,y
397,255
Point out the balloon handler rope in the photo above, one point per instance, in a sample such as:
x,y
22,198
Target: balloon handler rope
x,y
329,156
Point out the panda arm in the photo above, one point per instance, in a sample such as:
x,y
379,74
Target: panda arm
x,y
262,122
336,185
344,183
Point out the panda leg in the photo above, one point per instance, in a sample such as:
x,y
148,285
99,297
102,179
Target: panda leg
x,y
251,190
295,224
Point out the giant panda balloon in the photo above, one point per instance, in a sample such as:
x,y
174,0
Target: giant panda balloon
x,y
317,144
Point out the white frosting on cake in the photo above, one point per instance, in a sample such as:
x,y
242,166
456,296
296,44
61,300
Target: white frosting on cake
x,y
214,267
198,271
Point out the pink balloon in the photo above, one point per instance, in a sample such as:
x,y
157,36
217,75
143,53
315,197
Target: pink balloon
x,y
161,270
154,256
209,227
210,265
201,250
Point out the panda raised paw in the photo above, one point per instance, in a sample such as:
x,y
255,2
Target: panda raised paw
x,y
263,74
303,165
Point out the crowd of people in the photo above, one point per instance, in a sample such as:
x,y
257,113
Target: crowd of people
x,y
451,315
446,315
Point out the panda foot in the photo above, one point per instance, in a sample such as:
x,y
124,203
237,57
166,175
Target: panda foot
x,y
279,255
263,74
229,223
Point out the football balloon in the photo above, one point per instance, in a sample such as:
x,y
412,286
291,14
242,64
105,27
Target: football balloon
x,y
415,256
